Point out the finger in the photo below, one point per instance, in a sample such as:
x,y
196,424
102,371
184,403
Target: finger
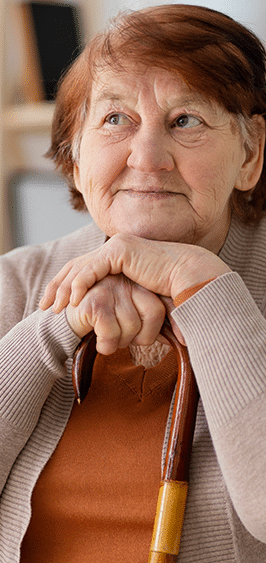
x,y
152,313
118,321
104,261
52,287
83,319
65,286
108,332
63,293
98,309
85,280
129,321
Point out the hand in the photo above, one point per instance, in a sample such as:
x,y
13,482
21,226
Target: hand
x,y
120,312
164,268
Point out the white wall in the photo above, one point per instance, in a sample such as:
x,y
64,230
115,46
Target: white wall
x,y
251,14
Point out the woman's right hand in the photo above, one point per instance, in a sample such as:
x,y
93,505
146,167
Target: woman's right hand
x,y
120,312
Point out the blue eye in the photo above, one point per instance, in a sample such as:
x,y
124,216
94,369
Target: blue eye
x,y
186,121
117,119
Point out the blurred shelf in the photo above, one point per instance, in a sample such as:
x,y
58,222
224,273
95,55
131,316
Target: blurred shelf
x,y
24,128
28,116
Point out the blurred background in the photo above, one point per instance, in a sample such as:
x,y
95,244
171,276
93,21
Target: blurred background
x,y
34,204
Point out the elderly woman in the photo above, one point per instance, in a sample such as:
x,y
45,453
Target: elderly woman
x,y
159,127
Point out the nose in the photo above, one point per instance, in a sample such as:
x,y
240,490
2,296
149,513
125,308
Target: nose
x,y
150,151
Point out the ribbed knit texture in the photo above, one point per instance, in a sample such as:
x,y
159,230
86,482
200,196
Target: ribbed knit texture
x,y
223,395
223,328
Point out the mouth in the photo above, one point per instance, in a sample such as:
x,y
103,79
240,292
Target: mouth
x,y
153,193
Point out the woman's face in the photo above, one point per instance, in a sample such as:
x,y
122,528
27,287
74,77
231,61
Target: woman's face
x,y
157,160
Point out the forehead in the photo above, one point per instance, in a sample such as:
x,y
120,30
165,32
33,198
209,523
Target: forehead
x,y
133,83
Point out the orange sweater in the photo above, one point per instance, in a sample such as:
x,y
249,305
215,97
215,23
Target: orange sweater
x,y
96,497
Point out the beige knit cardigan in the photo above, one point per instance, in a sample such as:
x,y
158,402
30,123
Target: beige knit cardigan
x,y
225,331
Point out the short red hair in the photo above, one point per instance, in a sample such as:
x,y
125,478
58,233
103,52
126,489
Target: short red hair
x,y
214,54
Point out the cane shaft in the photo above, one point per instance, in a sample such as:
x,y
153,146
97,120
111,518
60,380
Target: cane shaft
x,y
174,487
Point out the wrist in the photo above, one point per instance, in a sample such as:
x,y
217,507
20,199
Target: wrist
x,y
197,276
187,293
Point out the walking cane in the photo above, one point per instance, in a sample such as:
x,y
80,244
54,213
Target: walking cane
x,y
174,485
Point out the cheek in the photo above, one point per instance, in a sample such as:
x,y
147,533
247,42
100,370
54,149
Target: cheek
x,y
94,185
212,177
101,161
96,197
97,174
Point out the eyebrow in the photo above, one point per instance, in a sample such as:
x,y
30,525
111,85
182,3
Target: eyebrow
x,y
109,95
187,101
194,98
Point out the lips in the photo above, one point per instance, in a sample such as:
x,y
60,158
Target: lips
x,y
156,193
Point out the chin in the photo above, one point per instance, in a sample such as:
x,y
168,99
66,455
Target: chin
x,y
156,233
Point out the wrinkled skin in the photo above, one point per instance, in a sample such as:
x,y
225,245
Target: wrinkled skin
x,y
157,166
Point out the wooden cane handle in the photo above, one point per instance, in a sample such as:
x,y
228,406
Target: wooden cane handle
x,y
173,489
178,453
82,366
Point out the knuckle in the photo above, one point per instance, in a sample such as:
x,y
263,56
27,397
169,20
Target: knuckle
x,y
75,269
132,327
100,295
117,244
76,283
154,315
101,310
107,284
64,287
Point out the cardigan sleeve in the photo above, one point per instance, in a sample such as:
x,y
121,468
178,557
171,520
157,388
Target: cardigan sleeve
x,y
226,337
34,347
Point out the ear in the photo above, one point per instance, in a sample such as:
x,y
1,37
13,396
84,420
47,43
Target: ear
x,y
76,176
252,166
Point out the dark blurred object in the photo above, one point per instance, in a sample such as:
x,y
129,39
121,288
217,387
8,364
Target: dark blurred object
x,y
55,31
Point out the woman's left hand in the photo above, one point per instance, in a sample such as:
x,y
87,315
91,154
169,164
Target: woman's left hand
x,y
164,268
